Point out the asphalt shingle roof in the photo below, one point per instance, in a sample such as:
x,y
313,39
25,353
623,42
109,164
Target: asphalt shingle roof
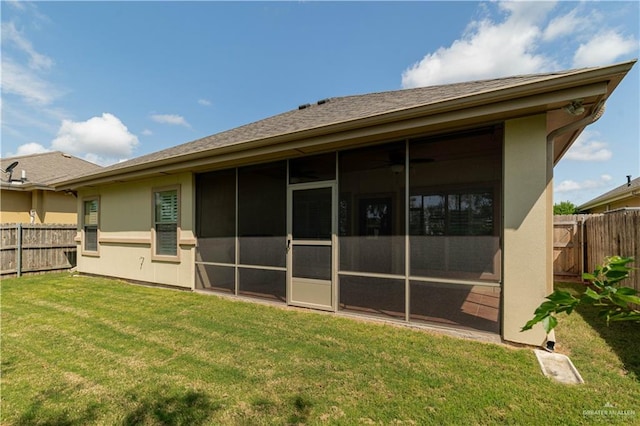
x,y
622,190
334,111
48,168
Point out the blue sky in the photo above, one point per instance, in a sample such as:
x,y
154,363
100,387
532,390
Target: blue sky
x,y
108,81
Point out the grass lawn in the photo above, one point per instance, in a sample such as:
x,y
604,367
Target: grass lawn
x,y
82,350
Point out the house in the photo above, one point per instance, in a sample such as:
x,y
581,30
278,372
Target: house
x,y
624,196
26,188
430,205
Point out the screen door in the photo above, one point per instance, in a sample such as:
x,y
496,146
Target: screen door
x,y
310,246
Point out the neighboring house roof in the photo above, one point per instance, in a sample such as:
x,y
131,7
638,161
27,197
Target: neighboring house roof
x,y
628,190
43,171
350,117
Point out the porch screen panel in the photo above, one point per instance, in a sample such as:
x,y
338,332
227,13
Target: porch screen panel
x,y
312,262
263,283
469,306
216,216
220,278
262,220
262,214
371,210
372,296
454,206
314,168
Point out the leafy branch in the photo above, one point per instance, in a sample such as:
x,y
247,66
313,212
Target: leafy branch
x,y
604,291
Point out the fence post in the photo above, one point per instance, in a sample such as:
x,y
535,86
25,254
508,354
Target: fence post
x,y
19,250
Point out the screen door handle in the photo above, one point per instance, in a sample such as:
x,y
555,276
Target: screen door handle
x,y
288,245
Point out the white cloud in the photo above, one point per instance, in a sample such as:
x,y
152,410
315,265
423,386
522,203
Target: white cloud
x,y
570,23
204,102
37,60
147,132
173,119
487,49
15,3
104,139
519,42
588,148
29,149
28,96
604,48
23,82
572,186
30,9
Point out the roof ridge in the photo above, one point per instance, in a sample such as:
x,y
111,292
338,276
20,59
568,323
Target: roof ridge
x,y
37,154
472,82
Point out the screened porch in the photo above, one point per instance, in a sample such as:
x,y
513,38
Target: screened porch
x,y
407,230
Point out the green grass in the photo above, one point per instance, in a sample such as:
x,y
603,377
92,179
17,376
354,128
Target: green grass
x,y
81,350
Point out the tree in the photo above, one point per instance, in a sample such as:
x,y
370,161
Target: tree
x,y
614,300
565,207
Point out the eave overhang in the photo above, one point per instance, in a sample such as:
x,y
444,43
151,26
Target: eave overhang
x,y
25,187
634,192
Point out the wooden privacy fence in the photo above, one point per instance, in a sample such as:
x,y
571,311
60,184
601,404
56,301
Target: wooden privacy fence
x,y
583,241
30,248
568,247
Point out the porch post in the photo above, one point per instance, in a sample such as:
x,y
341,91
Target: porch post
x,y
527,250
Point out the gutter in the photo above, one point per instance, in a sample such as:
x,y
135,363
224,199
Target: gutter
x,y
23,187
635,192
596,113
584,207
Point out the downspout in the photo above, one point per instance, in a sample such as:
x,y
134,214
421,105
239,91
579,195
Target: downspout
x,y
598,111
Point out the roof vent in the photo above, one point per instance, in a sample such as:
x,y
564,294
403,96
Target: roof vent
x,y
628,180
304,106
65,155
323,101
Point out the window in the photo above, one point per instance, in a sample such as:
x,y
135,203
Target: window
x,y
454,206
463,213
166,207
90,225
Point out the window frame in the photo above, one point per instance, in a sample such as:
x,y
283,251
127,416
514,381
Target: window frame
x,y
447,193
492,187
83,240
154,233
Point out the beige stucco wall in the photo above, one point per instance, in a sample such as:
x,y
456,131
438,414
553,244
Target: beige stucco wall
x,y
528,249
125,217
15,206
49,207
58,207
